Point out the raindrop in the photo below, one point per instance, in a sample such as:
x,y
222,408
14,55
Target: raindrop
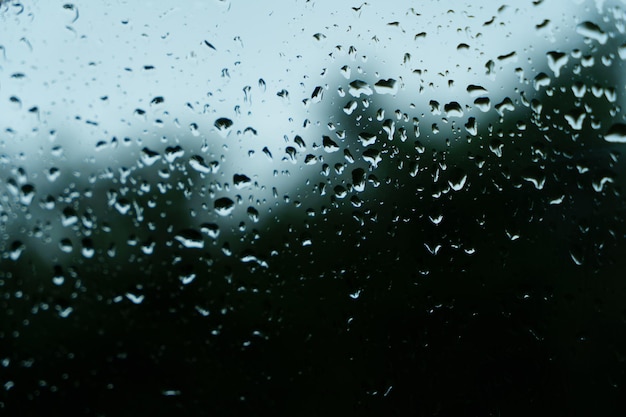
x,y
350,107
224,206
16,249
388,86
541,80
575,118
366,138
135,299
329,144
358,179
318,94
556,61
223,126
87,250
483,104
579,89
241,181
476,90
68,217
471,126
592,31
149,157
372,156
197,163
190,238
27,193
616,133
253,214
65,245
453,109
173,152
505,104
358,87
210,229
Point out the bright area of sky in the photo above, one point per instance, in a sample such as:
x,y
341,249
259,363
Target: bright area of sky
x,y
72,56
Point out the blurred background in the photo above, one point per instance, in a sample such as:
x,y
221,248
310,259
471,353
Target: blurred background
x,y
311,208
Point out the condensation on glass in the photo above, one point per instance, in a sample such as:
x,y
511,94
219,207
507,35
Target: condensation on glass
x,y
181,180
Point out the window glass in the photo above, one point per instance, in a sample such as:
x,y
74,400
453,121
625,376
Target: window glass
x,y
312,207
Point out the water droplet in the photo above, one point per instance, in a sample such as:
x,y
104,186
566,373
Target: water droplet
x,y
253,214
358,87
471,126
579,89
388,86
318,94
291,154
367,139
27,193
135,299
458,179
556,61
616,133
187,278
372,156
197,163
541,80
350,107
87,249
210,229
223,126
476,90
453,109
592,31
190,238
241,181
69,217
329,144
224,206
575,118
505,104
358,179
535,176
16,249
483,104
149,157
65,245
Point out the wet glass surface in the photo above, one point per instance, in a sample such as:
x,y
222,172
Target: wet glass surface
x,y
312,208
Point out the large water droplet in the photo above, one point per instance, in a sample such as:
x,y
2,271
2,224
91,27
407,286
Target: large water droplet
x,y
358,87
556,61
575,118
388,86
223,126
224,206
616,133
592,31
190,238
367,138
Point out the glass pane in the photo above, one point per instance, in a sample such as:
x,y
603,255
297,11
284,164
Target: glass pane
x,y
312,208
